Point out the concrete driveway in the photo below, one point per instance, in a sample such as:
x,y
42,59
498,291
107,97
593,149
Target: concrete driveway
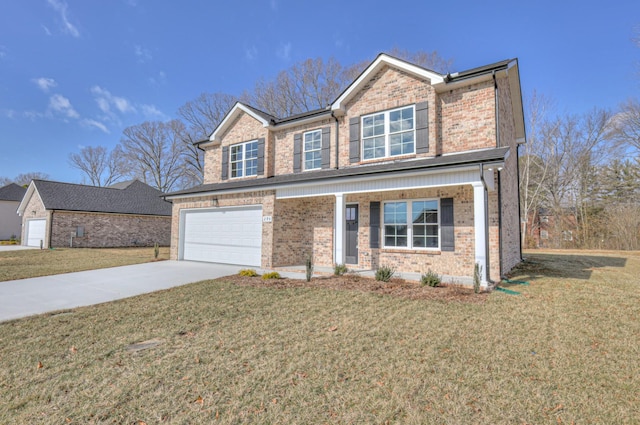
x,y
25,297
15,247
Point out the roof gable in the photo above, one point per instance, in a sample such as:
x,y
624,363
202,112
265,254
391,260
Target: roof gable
x,y
12,192
382,61
134,198
237,109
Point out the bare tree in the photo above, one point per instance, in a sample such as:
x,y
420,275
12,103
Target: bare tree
x,y
533,167
156,152
200,117
25,178
315,83
626,124
101,167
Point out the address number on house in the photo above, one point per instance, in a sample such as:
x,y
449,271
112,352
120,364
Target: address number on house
x,y
267,219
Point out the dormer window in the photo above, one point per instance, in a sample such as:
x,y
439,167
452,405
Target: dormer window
x,y
389,133
244,159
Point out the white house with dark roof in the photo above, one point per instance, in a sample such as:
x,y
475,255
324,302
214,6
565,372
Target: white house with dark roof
x,y
407,168
10,222
56,214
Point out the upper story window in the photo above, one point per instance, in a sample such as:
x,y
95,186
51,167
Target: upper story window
x,y
412,224
389,133
312,141
244,159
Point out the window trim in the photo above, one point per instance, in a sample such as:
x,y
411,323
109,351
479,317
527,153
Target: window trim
x,y
304,151
244,159
410,223
387,132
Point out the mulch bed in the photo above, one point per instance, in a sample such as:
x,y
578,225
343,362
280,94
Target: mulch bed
x,y
396,287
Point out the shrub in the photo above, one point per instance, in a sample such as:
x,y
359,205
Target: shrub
x,y
308,263
430,278
156,250
477,270
248,273
271,275
385,273
340,269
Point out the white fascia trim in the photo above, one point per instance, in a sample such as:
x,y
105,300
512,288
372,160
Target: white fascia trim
x,y
381,61
25,199
237,108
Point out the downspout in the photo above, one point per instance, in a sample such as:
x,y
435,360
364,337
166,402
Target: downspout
x,y
486,222
497,108
337,140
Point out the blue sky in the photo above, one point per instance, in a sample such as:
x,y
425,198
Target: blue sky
x,y
75,73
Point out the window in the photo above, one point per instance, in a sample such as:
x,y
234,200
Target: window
x,y
244,159
389,133
544,234
312,149
423,231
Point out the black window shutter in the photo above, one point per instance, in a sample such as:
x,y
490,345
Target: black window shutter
x,y
225,162
326,146
374,225
422,127
297,153
446,225
261,156
354,140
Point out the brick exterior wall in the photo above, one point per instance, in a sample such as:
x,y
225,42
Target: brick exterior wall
x,y
284,145
457,263
388,89
303,226
460,119
243,129
509,195
467,118
109,230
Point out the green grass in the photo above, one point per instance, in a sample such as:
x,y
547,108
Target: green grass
x,y
35,262
564,351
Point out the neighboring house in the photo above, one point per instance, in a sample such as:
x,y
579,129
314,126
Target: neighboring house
x,y
546,230
406,168
56,214
10,221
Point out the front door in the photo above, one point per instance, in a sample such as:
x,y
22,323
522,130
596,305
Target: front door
x,y
351,237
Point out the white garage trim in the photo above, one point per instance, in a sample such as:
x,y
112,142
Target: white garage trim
x,y
228,235
36,231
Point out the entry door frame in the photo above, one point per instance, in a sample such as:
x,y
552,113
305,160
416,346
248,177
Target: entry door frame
x,y
351,227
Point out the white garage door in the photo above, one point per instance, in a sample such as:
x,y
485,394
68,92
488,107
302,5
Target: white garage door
x,y
35,232
223,235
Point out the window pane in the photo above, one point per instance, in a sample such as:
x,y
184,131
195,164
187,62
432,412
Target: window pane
x,y
251,150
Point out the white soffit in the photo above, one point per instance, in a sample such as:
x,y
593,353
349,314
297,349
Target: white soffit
x,y
421,180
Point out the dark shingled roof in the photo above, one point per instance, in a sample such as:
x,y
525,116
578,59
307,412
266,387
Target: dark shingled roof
x,y
132,197
12,192
389,168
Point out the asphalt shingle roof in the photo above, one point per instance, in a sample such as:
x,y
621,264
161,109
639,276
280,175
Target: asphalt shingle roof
x,y
123,198
12,192
388,168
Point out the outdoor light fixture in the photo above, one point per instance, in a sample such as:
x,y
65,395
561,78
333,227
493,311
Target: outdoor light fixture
x,y
214,202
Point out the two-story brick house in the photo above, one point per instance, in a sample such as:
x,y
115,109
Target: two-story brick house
x,y
407,168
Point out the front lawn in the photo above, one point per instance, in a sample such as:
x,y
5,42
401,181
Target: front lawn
x,y
565,350
28,263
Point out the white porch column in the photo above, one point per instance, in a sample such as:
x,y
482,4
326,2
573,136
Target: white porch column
x,y
338,228
480,229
